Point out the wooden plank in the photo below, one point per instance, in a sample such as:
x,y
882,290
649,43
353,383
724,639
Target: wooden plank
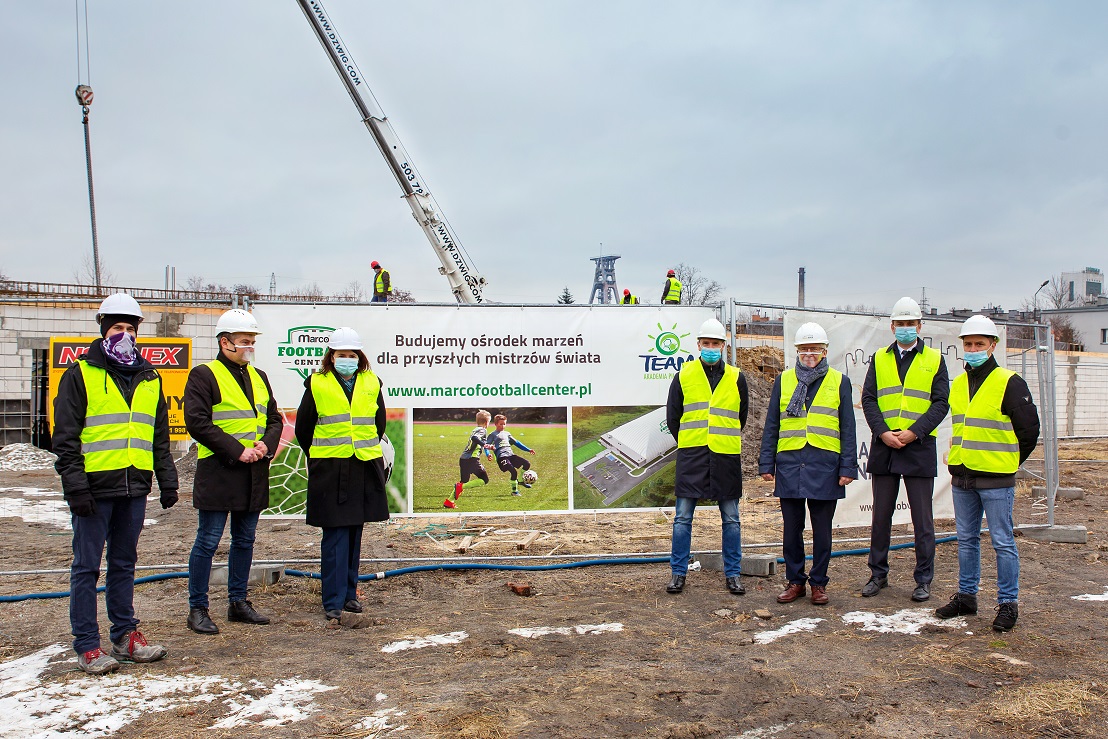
x,y
465,544
528,540
639,537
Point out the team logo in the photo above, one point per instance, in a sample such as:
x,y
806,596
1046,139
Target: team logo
x,y
666,355
304,350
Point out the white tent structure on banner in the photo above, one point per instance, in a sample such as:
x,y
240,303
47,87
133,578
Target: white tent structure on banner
x,y
643,440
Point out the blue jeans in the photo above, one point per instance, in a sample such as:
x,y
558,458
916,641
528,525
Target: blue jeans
x,y
117,523
996,504
682,536
340,554
209,531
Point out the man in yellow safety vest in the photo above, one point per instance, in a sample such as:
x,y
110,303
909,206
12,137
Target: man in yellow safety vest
x,y
629,299
111,435
904,397
705,413
382,283
231,413
671,292
995,429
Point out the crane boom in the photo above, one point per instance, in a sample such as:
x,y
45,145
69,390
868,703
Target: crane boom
x,y
466,284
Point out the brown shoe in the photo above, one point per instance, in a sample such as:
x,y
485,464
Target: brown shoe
x,y
819,595
791,593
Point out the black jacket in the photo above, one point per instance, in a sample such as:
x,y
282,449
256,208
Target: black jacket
x,y
702,473
1019,406
920,458
70,408
222,482
341,492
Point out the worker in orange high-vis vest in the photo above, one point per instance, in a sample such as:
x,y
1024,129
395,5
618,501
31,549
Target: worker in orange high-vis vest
x,y
995,427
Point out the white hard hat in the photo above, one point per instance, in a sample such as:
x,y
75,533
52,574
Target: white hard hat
x,y
120,304
810,333
236,321
906,309
712,329
344,337
979,326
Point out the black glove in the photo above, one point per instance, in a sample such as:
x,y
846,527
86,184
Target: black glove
x,y
82,505
168,498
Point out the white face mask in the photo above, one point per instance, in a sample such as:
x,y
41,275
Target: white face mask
x,y
246,352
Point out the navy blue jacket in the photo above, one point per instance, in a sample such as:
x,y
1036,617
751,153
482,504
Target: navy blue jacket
x,y
810,472
920,458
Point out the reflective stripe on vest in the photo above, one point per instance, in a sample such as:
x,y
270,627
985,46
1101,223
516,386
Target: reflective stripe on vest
x,y
345,428
117,436
983,438
379,282
710,418
819,426
674,293
233,413
903,405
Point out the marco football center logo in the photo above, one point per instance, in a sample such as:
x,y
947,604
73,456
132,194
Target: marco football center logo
x,y
666,354
304,349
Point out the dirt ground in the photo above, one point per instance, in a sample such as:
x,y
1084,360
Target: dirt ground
x,y
675,666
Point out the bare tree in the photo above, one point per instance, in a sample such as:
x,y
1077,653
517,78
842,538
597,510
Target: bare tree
x,y
402,296
86,273
697,289
248,290
353,292
311,291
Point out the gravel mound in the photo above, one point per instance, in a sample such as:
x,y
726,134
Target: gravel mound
x,y
25,457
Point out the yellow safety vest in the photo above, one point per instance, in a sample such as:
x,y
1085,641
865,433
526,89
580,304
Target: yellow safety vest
x,y
710,417
379,282
674,293
233,413
345,428
630,299
117,436
819,426
903,405
983,438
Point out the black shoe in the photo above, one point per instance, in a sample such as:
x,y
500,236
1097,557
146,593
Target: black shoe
x,y
962,604
735,585
243,612
873,587
922,592
1006,615
353,606
200,622
676,585
333,615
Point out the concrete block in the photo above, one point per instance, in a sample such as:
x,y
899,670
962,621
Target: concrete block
x,y
753,565
1039,491
259,575
1055,534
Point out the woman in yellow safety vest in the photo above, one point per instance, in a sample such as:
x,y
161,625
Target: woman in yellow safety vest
x,y
340,425
809,453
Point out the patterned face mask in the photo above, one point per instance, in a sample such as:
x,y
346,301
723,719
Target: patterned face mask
x,y
121,348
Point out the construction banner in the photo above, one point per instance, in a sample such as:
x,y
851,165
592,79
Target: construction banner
x,y
576,391
172,357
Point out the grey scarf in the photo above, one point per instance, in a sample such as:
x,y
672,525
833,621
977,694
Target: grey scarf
x,y
804,378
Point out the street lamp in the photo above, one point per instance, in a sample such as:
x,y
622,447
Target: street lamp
x,y
1038,319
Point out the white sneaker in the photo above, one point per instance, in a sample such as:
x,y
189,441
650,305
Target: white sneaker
x,y
95,662
133,647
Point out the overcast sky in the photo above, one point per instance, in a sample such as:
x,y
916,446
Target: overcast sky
x,y
884,146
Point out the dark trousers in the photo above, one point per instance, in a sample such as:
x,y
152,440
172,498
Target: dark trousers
x,y
209,530
379,298
116,523
792,514
340,555
920,493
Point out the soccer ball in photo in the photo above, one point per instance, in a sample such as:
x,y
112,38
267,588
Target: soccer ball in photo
x,y
530,477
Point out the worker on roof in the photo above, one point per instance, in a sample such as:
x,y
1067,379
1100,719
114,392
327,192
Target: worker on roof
x,y
231,413
905,398
809,454
671,292
629,299
111,435
995,429
382,283
705,413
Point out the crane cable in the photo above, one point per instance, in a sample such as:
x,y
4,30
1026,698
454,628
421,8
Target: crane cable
x,y
84,98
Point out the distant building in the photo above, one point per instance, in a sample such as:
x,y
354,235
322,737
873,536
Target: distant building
x,y
1090,323
1083,287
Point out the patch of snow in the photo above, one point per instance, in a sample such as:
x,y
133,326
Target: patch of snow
x,y
288,702
763,732
380,697
537,631
420,642
54,512
25,457
908,621
792,627
1092,597
378,722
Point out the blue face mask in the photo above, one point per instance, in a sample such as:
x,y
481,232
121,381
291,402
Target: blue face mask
x,y
906,335
975,359
346,366
711,356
